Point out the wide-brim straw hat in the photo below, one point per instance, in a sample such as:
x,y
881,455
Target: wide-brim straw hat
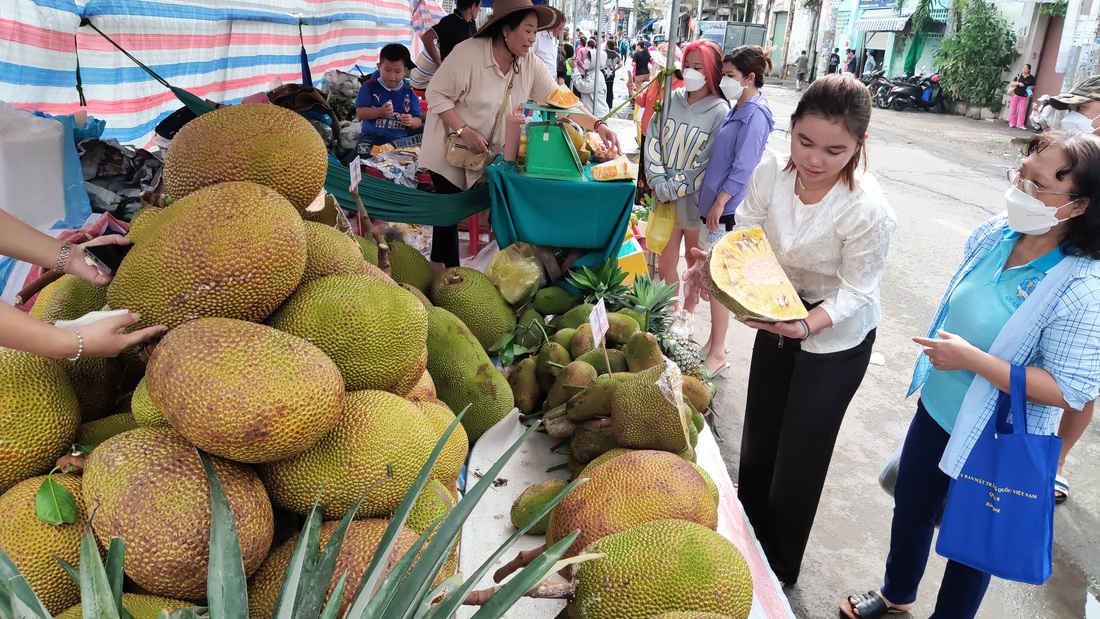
x,y
548,16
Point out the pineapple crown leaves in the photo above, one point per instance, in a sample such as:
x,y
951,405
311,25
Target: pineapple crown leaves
x,y
604,283
405,592
653,299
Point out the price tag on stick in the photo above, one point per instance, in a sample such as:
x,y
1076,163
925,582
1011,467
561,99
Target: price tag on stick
x,y
597,320
356,169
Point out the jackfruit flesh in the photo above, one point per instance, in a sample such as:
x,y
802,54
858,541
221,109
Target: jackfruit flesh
x,y
746,277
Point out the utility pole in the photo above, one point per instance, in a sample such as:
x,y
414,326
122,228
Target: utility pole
x,y
812,47
791,10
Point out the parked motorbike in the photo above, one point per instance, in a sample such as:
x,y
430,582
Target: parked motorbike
x,y
923,93
876,81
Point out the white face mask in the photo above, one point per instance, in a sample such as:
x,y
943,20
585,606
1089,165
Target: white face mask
x,y
1028,215
1076,122
694,80
732,88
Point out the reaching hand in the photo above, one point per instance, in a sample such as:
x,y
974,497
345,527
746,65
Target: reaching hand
x,y
610,139
78,264
950,352
107,337
695,282
474,141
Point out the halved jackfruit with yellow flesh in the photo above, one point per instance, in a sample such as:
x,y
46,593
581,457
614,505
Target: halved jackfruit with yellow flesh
x,y
745,276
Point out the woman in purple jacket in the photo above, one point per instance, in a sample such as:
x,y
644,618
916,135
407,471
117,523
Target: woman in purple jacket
x,y
737,151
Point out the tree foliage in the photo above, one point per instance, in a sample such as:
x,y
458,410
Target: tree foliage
x,y
973,60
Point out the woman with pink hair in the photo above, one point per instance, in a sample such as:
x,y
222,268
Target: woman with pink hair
x,y
678,145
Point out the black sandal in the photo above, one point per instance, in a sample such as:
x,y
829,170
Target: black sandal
x,y
869,605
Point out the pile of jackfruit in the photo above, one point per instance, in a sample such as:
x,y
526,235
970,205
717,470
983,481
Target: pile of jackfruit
x,y
310,373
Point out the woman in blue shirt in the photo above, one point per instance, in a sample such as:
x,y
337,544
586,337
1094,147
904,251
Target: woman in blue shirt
x,y
737,151
1028,294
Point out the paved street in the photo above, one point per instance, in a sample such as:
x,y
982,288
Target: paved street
x,y
943,175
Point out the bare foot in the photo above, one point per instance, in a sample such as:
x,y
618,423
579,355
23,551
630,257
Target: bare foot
x,y
715,362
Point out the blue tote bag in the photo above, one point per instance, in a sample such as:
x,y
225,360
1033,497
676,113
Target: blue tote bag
x,y
1000,510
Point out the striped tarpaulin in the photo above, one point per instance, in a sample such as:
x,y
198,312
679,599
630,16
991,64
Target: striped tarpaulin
x,y
223,50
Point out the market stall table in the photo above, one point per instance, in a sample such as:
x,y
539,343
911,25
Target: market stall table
x,y
582,214
489,524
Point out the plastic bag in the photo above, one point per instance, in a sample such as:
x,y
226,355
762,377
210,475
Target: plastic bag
x,y
515,271
662,221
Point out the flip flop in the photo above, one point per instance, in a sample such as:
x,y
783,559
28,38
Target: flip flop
x,y
1061,489
869,605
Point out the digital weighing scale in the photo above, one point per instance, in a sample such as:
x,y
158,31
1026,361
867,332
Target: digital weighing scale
x,y
550,151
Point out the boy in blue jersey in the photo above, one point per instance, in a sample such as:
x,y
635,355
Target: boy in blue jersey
x,y
388,107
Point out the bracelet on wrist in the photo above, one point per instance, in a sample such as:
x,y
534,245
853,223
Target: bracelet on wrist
x,y
79,345
599,123
805,328
63,257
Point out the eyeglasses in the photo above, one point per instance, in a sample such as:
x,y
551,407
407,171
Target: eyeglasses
x,y
1029,187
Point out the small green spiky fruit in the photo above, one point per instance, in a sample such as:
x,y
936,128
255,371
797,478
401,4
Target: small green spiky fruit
x,y
531,500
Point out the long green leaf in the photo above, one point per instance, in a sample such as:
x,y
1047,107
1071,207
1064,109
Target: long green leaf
x,y
528,578
450,603
307,547
377,567
183,613
332,609
369,604
74,573
8,570
96,599
312,591
427,567
116,551
226,586
24,603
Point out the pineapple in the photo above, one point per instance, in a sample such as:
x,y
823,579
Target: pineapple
x,y
605,283
684,353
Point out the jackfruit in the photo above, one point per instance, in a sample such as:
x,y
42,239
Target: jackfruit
x,y
151,491
243,391
95,380
330,252
469,295
356,552
696,392
70,297
531,500
604,457
234,250
140,221
564,338
552,300
577,316
139,607
38,415
464,375
146,414
525,385
552,358
369,249
33,544
744,275
433,502
594,401
582,341
414,291
449,465
265,144
642,352
647,411
573,379
95,432
424,390
591,439
712,487
374,272
596,359
376,430
620,328
661,566
557,424
637,317
630,489
373,330
409,266
406,383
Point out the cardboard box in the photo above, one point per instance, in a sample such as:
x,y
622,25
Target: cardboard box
x,y
631,259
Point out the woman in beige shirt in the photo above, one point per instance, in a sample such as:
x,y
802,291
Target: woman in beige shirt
x,y
466,94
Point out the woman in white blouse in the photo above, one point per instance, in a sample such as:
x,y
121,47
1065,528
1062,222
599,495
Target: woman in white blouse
x,y
829,224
